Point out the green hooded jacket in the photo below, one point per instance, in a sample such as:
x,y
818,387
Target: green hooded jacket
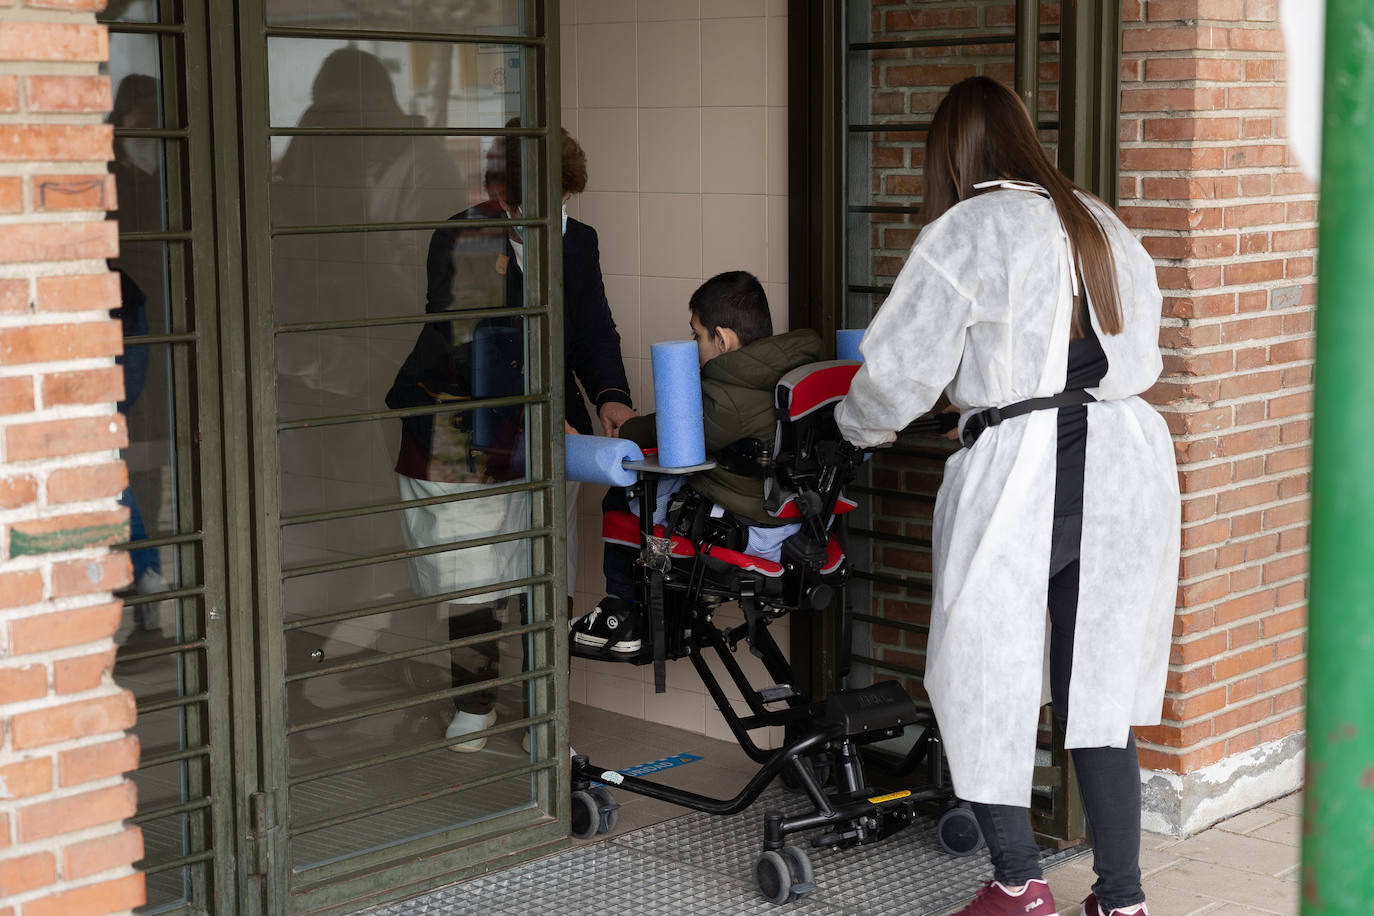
x,y
737,390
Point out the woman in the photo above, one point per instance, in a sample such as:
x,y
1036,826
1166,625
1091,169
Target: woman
x,y
480,267
1022,286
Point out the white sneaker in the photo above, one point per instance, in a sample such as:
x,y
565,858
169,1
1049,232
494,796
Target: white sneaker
x,y
150,583
465,723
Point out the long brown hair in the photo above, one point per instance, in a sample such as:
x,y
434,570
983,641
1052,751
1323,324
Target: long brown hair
x,y
981,132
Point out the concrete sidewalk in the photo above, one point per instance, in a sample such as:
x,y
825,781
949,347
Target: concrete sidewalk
x,y
1246,865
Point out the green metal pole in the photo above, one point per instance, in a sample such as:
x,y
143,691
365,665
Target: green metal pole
x,y
1338,844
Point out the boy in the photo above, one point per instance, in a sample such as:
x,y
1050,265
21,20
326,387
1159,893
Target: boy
x,y
741,362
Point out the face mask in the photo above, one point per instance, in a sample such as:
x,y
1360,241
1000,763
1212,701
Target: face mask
x,y
142,154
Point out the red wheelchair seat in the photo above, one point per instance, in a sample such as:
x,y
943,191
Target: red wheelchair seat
x,y
621,527
744,561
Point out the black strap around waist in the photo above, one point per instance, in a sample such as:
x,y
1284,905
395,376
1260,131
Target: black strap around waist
x,y
991,416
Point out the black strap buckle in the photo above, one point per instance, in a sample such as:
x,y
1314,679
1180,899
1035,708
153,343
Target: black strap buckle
x,y
980,421
992,416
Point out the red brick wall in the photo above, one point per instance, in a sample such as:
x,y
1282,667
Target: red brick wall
x,y
1207,179
63,751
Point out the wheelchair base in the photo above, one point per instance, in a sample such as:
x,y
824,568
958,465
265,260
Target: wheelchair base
x,y
848,814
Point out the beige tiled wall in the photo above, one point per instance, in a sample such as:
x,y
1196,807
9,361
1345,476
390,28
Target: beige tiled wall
x,y
681,107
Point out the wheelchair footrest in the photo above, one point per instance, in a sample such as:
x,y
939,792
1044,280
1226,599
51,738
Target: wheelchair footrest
x,y
884,706
776,692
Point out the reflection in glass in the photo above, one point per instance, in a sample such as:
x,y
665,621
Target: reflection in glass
x,y
380,84
495,17
127,11
393,705
148,661
390,576
369,832
154,679
139,169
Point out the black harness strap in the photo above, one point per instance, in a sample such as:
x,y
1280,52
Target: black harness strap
x,y
989,417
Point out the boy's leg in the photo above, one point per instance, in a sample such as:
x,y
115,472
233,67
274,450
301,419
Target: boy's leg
x,y
618,560
572,490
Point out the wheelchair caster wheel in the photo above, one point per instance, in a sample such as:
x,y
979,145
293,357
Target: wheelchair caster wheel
x,y
608,809
784,875
959,833
585,817
593,811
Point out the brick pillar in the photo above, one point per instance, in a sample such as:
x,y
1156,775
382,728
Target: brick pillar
x,y
1207,179
63,791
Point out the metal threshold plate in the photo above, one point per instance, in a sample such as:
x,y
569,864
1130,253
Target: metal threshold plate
x,y
698,863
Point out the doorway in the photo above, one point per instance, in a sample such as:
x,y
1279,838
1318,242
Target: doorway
x,y
870,77
287,174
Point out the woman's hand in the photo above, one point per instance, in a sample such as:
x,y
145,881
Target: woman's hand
x,y
953,434
568,429
613,414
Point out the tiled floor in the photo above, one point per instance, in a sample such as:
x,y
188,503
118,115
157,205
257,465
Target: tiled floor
x,y
1242,866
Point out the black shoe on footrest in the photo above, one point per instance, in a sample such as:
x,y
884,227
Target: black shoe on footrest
x,y
611,630
882,707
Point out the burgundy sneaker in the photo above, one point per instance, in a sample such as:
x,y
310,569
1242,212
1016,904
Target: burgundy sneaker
x,y
994,899
1091,908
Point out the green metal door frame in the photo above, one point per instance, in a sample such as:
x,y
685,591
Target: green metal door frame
x,y
1090,97
820,58
260,865
816,231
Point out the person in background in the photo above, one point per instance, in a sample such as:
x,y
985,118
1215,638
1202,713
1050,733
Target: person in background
x,y
457,359
1025,293
137,170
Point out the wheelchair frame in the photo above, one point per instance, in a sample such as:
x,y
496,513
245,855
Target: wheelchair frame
x,y
822,737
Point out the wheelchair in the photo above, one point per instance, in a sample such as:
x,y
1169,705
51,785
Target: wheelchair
x,y
690,565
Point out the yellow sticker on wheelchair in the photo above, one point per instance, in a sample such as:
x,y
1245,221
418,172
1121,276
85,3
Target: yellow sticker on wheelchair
x,y
879,799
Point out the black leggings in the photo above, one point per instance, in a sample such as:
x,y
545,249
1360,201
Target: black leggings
x,y
1108,777
482,662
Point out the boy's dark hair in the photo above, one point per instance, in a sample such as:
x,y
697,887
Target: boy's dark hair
x,y
734,300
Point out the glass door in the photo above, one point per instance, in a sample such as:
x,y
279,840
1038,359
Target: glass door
x,y
172,643
404,402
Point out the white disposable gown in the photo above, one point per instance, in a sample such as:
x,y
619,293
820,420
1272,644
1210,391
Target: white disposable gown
x,y
981,310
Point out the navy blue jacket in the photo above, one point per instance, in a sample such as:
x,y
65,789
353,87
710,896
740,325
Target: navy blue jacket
x,y
475,268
